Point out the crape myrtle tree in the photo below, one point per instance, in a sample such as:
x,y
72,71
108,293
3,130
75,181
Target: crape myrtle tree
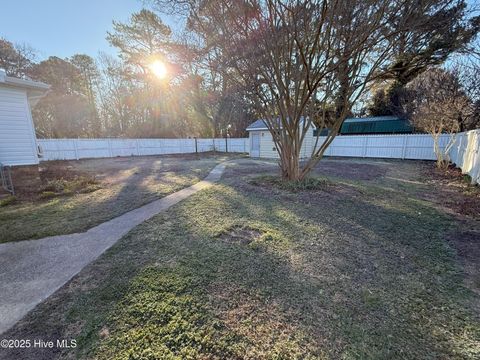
x,y
439,105
297,59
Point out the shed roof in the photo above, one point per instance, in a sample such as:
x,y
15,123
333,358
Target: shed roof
x,y
260,125
376,125
373,118
257,125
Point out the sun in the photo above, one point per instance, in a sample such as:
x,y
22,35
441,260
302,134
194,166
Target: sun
x,y
158,68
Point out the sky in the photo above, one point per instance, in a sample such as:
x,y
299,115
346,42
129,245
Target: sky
x,y
67,27
64,27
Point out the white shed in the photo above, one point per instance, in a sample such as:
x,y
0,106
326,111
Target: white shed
x,y
17,133
262,145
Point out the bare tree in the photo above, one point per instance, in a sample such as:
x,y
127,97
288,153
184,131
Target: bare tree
x,y
439,106
89,75
16,59
468,70
114,89
298,59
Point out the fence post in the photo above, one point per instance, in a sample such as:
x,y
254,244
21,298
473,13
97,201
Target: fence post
x,y
110,153
75,147
196,146
459,148
226,144
404,146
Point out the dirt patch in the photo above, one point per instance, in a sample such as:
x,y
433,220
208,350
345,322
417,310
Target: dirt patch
x,y
350,170
59,170
240,235
142,171
57,178
453,191
308,184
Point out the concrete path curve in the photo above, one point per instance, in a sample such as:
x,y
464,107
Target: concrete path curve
x,y
32,270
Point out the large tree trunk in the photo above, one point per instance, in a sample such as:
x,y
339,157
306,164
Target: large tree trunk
x,y
290,163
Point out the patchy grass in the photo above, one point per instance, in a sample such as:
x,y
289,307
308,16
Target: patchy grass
x,y
9,200
366,275
310,183
77,185
78,195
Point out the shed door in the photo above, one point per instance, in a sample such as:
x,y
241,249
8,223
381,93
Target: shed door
x,y
255,145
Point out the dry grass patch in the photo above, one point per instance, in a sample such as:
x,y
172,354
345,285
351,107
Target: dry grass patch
x,y
240,235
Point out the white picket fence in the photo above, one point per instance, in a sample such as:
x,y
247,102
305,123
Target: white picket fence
x,y
70,149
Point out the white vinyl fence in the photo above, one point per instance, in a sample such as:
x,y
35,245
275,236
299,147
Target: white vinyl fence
x,y
402,146
465,153
70,149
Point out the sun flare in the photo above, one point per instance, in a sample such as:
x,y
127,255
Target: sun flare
x,y
159,69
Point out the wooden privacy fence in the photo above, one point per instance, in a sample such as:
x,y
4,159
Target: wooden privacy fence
x,y
70,149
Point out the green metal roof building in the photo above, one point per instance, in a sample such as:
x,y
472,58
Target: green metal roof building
x,y
376,125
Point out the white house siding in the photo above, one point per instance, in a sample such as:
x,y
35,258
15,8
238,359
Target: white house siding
x,y
17,134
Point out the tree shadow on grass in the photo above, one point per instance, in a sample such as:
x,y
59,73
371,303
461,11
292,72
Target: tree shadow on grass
x,y
78,213
335,276
385,262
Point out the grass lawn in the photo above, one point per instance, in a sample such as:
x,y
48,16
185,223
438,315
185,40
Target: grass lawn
x,y
120,185
363,266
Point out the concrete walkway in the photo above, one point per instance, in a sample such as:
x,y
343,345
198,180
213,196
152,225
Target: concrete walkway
x,y
32,270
